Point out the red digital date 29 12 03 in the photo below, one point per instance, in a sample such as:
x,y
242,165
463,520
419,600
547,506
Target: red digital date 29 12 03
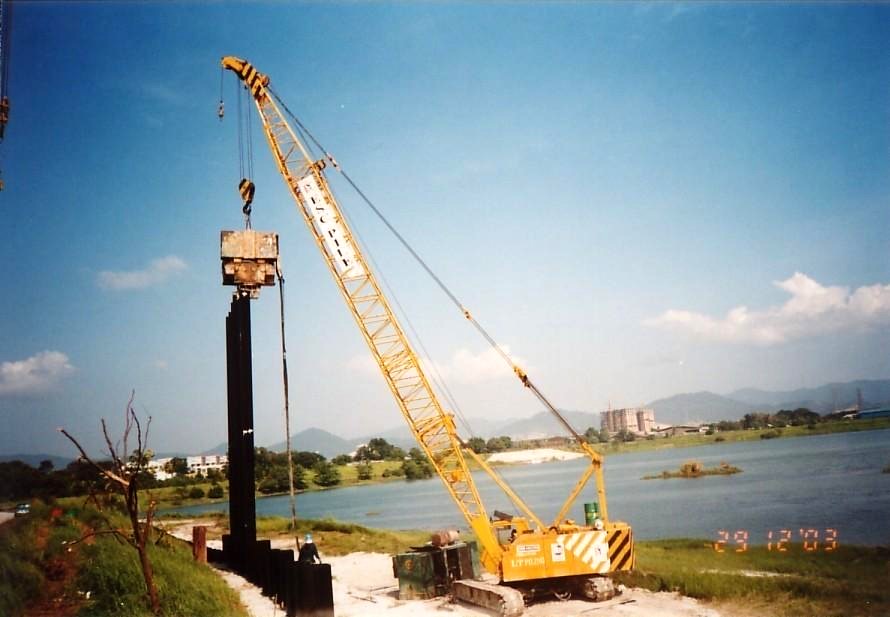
x,y
810,540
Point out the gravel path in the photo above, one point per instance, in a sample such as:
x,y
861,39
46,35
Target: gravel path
x,y
364,587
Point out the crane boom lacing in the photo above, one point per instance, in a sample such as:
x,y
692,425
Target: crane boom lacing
x,y
432,426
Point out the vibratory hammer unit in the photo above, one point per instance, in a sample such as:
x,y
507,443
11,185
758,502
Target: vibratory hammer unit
x,y
249,259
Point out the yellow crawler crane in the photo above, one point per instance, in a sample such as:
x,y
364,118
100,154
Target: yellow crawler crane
x,y
522,551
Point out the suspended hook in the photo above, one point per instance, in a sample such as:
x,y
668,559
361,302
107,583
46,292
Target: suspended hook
x,y
221,109
247,189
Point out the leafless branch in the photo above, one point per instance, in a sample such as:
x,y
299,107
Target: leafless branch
x,y
147,429
99,532
83,456
112,451
124,477
130,415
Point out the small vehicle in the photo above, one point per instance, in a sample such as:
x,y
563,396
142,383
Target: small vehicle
x,y
23,509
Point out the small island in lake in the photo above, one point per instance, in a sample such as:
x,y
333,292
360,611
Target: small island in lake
x,y
695,469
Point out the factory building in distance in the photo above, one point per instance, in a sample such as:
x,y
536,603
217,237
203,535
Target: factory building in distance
x,y
637,420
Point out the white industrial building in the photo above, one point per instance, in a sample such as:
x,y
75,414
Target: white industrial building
x,y
637,420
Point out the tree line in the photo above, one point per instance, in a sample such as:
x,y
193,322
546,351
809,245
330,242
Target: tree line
x,y
780,419
755,420
18,480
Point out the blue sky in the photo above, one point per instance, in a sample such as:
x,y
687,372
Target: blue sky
x,y
603,185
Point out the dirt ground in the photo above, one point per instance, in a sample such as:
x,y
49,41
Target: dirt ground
x,y
364,586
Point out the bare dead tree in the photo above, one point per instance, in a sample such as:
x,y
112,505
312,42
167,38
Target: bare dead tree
x,y
122,476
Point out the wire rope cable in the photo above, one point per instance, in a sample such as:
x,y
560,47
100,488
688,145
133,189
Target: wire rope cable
x,y
404,242
287,431
436,375
249,141
466,313
440,382
304,132
5,47
240,112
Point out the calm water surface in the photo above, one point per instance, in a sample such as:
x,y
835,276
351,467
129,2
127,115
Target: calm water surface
x,y
819,482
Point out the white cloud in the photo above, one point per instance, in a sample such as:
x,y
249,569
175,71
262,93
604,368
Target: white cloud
x,y
813,309
158,271
487,365
463,367
34,374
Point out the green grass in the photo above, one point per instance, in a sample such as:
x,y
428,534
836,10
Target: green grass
x,y
39,566
168,497
849,581
20,579
112,574
349,473
332,537
336,538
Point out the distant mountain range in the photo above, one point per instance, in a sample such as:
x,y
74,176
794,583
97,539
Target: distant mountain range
x,y
695,407
710,407
824,399
688,408
34,460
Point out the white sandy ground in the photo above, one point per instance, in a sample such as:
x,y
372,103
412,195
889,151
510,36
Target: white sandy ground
x,y
364,586
538,455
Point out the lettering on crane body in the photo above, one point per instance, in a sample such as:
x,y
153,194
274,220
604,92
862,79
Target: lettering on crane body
x,y
528,549
525,562
329,228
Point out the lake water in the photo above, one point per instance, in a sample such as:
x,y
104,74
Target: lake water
x,y
819,482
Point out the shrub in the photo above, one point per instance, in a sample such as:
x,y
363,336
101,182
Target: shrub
x,y
104,566
327,474
776,432
196,492
215,492
691,469
417,470
365,471
477,445
499,444
625,435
